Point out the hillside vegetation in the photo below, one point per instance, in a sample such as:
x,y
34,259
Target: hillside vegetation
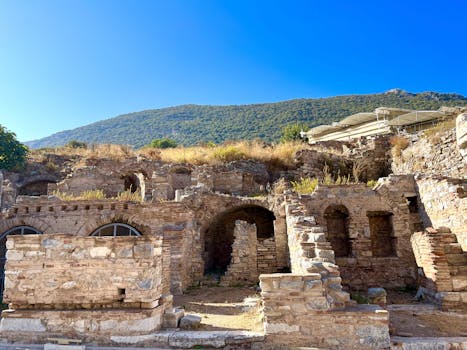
x,y
193,124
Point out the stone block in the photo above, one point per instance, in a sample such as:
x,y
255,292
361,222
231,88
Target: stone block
x,y
21,325
49,346
275,328
377,295
187,339
172,318
190,321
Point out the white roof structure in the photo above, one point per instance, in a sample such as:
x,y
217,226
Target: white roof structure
x,y
382,121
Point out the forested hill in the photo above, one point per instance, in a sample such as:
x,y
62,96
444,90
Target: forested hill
x,y
191,124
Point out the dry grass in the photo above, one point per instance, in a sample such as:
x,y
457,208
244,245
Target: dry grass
x,y
280,154
305,185
103,151
129,196
125,196
85,195
433,134
399,143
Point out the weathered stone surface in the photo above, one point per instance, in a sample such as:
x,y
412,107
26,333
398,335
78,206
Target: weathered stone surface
x,y
377,295
172,318
21,325
49,346
190,321
186,339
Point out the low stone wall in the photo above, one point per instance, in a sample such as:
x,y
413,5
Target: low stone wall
x,y
297,313
56,271
84,286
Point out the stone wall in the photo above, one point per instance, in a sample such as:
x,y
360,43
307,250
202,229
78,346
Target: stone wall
x,y
369,155
364,266
84,286
55,271
169,220
243,261
442,268
443,203
434,155
297,313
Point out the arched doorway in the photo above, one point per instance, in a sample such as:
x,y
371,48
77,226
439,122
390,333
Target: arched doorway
x,y
18,230
337,217
219,237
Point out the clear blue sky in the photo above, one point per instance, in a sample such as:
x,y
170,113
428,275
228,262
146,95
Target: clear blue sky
x,y
67,63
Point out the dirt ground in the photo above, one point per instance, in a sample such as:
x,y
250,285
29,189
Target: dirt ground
x,y
237,308
223,307
411,318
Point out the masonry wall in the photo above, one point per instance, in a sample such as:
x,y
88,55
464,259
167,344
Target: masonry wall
x,y
365,266
443,203
55,271
434,155
442,268
297,314
169,220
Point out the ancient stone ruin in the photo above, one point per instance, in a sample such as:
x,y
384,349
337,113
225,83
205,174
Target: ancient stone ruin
x,y
107,270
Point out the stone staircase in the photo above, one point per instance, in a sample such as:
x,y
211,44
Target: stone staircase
x,y
312,253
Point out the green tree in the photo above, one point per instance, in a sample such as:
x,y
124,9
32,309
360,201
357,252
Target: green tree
x,y
163,143
291,132
76,144
12,152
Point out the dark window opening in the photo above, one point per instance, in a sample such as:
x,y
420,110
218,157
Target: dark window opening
x,y
131,183
383,241
337,217
38,188
413,204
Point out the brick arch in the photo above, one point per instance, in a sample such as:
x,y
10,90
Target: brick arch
x,y
94,223
37,223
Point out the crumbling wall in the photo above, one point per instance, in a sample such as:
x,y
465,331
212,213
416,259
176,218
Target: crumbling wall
x,y
366,265
442,268
304,307
434,155
367,157
243,262
443,203
297,314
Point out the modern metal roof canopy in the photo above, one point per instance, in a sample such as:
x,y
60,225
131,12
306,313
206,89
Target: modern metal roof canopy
x,y
379,122
358,118
415,117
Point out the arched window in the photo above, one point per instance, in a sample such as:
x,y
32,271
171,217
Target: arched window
x,y
116,229
338,232
21,230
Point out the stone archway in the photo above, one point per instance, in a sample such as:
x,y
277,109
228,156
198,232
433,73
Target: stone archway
x,y
239,243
